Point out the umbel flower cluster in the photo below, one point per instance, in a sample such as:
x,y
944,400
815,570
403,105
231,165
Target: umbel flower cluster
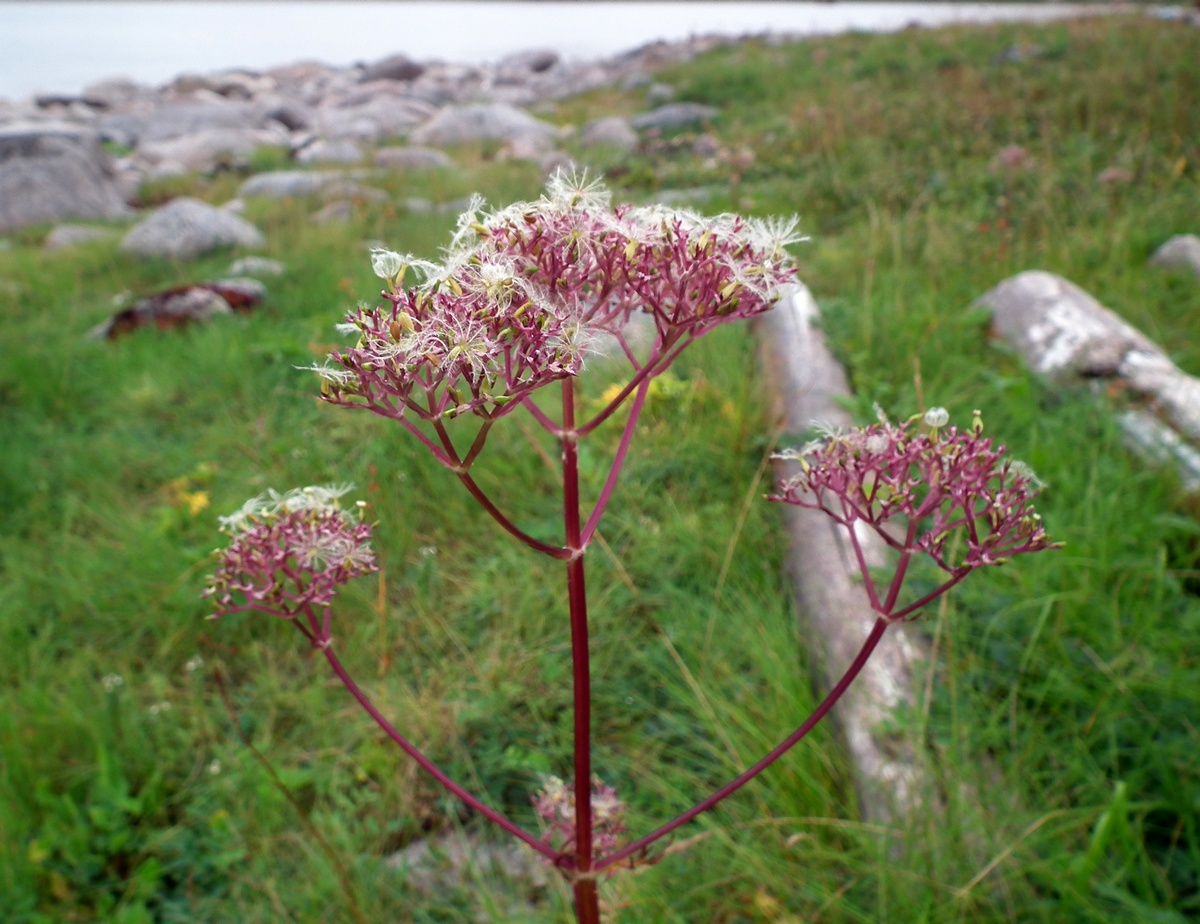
x,y
524,290
555,805
290,552
917,484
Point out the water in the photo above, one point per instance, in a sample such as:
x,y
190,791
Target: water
x,y
62,47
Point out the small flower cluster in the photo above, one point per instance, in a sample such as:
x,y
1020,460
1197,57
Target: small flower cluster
x,y
290,552
524,289
555,805
936,479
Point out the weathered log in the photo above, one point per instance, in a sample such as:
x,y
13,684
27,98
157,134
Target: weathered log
x,y
808,383
1061,332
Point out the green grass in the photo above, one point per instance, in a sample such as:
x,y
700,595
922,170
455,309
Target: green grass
x,y
1062,722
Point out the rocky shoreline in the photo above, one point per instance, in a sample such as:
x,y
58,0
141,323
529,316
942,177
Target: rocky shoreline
x,y
68,157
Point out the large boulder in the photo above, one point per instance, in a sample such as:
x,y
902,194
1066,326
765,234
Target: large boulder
x,y
51,172
495,122
186,228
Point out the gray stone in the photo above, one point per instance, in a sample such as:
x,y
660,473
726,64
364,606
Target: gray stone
x,y
292,114
335,212
186,228
496,122
204,149
256,266
1180,252
352,189
67,236
383,116
175,120
533,61
1061,331
287,184
412,158
113,92
674,115
659,92
611,132
51,172
325,151
394,67
437,865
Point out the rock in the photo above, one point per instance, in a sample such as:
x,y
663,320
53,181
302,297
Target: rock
x,y
393,67
351,189
183,305
291,114
1180,252
383,116
706,145
1061,331
674,115
53,171
336,151
256,266
439,865
496,121
413,158
659,92
114,92
287,184
205,149
66,236
335,212
186,228
612,132
175,120
534,61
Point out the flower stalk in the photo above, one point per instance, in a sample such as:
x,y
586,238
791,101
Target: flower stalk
x,y
517,306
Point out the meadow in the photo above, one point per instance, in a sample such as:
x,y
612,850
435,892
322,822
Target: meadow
x,y
159,767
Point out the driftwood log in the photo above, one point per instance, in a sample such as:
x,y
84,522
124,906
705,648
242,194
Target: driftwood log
x,y
1063,333
808,383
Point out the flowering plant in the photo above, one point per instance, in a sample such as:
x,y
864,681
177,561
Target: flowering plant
x,y
523,296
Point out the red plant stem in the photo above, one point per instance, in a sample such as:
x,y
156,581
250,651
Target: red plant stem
x,y
541,417
587,905
658,363
429,766
782,748
618,462
486,502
